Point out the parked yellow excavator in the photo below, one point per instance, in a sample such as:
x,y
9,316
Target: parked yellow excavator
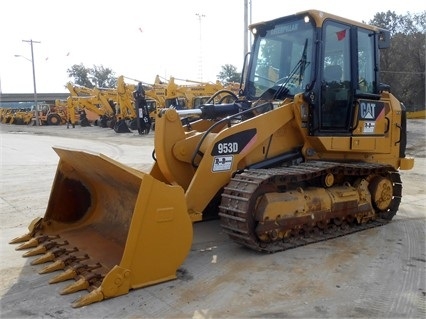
x,y
190,96
310,149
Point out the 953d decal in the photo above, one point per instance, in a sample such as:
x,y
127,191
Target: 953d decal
x,y
224,150
233,144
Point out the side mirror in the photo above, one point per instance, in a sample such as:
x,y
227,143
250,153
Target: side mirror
x,y
383,39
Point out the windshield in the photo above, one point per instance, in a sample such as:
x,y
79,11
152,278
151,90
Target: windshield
x,y
281,57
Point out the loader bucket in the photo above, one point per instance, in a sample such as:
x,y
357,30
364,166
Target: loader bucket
x,y
121,127
109,227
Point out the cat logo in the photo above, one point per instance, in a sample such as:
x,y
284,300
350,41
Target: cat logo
x,y
369,110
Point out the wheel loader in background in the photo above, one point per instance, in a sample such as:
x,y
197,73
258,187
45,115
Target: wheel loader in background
x,y
309,150
47,115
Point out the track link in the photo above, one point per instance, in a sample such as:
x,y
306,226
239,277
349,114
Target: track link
x,y
240,195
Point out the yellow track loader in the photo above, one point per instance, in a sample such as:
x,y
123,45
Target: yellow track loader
x,y
310,149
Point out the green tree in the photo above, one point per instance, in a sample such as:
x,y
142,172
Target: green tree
x,y
403,64
97,76
81,75
229,74
103,77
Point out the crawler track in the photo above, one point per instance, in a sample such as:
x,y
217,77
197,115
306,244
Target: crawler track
x,y
240,196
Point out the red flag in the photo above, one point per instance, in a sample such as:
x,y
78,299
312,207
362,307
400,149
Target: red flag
x,y
341,35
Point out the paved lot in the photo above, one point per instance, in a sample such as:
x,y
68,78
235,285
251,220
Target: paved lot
x,y
378,273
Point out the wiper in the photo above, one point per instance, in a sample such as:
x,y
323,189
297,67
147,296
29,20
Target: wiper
x,y
303,62
300,66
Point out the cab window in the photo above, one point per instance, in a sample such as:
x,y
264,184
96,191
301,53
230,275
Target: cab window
x,y
366,79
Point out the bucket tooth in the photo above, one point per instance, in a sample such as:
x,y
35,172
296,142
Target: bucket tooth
x,y
40,249
52,255
56,265
49,256
92,297
21,239
73,271
81,284
43,248
62,262
34,225
35,241
67,274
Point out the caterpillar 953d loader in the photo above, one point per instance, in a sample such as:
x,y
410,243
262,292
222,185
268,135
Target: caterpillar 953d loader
x,y
309,150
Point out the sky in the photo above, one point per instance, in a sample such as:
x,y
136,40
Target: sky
x,y
139,39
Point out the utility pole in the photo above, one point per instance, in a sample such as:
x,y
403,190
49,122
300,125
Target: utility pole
x,y
34,78
245,27
247,21
200,62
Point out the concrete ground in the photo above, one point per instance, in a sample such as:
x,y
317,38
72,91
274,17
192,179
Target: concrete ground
x,y
377,273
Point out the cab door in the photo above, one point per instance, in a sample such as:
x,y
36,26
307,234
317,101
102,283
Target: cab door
x,y
350,114
336,105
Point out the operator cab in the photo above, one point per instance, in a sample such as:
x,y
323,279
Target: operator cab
x,y
333,62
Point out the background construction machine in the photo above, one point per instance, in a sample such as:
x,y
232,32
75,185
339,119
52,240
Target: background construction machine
x,y
115,107
310,150
47,115
94,101
18,116
189,96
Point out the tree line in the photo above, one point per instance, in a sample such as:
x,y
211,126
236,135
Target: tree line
x,y
402,66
